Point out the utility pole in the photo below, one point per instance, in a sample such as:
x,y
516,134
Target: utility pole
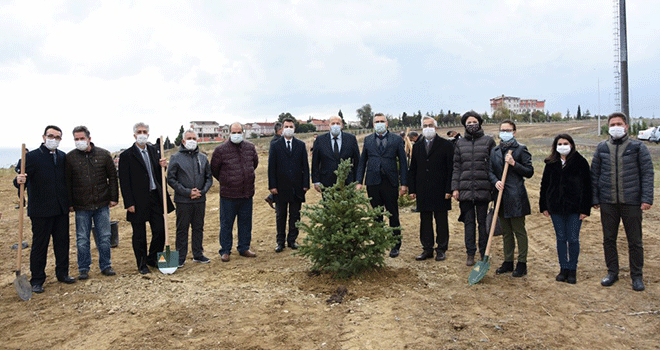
x,y
623,46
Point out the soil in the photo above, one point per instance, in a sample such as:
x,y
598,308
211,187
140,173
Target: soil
x,y
272,302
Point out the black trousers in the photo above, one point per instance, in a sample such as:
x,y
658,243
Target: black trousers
x,y
470,210
42,230
190,215
294,216
388,196
631,215
157,224
441,228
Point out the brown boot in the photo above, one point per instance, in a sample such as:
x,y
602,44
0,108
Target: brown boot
x,y
470,260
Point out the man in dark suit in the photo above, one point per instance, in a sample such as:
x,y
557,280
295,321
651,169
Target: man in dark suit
x,y
48,207
381,153
278,134
429,180
329,150
140,179
288,180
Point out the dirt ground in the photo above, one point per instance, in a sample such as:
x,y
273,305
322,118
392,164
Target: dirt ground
x,y
271,302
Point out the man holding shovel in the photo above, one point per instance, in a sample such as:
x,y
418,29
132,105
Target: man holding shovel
x,y
48,207
92,185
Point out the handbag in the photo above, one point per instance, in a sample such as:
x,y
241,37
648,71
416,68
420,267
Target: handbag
x,y
489,221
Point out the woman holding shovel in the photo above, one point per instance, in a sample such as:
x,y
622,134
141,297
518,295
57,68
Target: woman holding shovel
x,y
515,203
566,198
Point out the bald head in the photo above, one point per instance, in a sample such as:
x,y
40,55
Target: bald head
x,y
236,128
335,120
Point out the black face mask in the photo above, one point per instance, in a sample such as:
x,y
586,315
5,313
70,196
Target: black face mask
x,y
472,128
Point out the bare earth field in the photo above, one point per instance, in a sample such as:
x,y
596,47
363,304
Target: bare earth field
x,y
271,302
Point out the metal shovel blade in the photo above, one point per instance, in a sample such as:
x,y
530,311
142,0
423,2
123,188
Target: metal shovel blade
x,y
23,287
479,271
168,261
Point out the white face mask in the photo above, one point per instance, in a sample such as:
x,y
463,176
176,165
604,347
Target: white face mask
x,y
429,133
380,127
288,132
190,144
335,129
617,132
236,138
506,136
141,139
564,149
81,145
52,144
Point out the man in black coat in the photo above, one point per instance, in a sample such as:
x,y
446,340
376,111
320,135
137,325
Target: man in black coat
x,y
382,164
288,180
429,180
140,180
329,150
48,207
278,134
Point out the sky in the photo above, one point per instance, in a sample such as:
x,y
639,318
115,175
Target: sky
x,y
110,64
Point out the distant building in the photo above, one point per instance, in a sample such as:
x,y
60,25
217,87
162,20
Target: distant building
x,y
260,129
206,130
320,124
516,104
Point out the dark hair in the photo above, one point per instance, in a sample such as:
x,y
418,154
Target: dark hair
x,y
81,128
52,127
617,115
509,121
277,126
554,155
474,114
413,134
379,115
290,120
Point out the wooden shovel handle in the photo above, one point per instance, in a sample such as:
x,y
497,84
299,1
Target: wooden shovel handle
x,y
21,199
497,207
162,155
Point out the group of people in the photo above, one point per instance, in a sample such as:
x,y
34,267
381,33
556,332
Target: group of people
x,y
466,168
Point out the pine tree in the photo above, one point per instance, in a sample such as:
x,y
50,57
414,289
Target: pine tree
x,y
179,138
343,235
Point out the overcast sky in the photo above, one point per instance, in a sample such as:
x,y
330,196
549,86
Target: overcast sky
x,y
110,64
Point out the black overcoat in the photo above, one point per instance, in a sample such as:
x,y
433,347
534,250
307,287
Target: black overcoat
x,y
324,162
515,202
429,175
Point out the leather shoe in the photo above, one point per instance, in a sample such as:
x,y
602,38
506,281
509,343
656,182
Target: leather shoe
x,y
108,272
294,246
440,256
470,260
637,284
38,288
67,279
83,275
279,248
144,270
248,254
394,253
224,257
270,201
609,279
425,255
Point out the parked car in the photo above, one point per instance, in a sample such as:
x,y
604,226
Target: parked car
x,y
651,134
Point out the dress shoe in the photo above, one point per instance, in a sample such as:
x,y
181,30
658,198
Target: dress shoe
x,y
248,254
521,269
440,256
637,284
108,272
38,288
609,279
507,266
394,253
279,248
270,201
425,255
67,279
561,277
224,257
470,260
151,263
294,246
83,275
571,277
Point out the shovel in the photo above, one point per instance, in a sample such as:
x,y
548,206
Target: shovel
x,y
21,283
168,261
481,268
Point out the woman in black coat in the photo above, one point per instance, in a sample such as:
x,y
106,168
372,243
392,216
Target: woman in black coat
x,y
566,198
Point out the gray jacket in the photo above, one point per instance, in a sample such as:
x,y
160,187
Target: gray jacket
x,y
188,170
622,173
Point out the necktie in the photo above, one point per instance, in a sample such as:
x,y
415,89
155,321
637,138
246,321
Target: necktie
x,y
145,156
381,146
336,147
428,146
55,158
288,145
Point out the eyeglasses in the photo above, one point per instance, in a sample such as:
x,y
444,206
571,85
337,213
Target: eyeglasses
x,y
56,137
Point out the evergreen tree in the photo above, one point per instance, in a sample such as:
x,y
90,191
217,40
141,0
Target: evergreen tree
x,y
343,235
178,139
578,116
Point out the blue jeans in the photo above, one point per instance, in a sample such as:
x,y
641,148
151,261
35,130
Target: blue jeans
x,y
567,229
101,217
230,208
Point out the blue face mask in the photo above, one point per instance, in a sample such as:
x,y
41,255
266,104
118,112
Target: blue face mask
x,y
335,129
506,136
380,127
